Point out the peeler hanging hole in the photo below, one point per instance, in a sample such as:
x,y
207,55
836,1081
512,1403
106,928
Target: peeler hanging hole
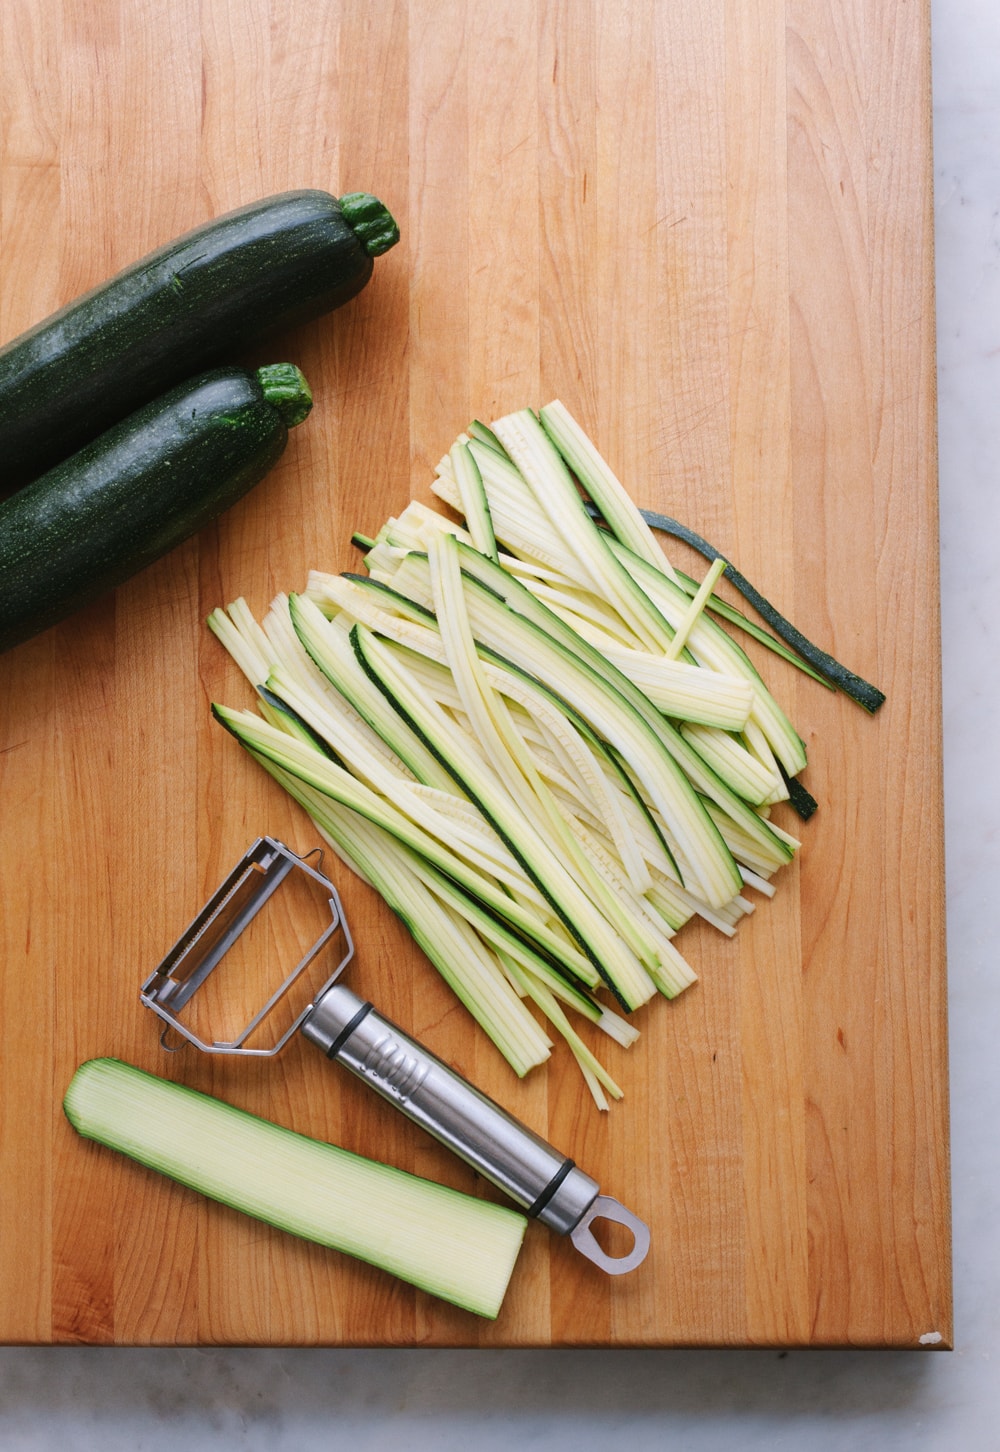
x,y
607,1213
614,1238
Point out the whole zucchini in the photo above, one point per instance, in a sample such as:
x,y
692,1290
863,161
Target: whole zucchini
x,y
190,305
138,490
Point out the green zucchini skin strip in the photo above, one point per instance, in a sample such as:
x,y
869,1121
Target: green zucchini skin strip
x,y
448,1243
860,690
802,801
728,612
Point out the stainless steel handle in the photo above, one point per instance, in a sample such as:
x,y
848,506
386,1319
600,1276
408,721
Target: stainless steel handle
x,y
511,1156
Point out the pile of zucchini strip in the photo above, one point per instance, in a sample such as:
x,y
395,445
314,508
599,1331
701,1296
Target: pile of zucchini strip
x,y
525,733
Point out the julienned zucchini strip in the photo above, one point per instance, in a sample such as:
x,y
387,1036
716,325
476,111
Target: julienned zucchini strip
x,y
543,469
550,874
308,766
443,887
452,1245
516,970
530,735
407,883
860,690
607,498
662,762
456,933
424,718
547,561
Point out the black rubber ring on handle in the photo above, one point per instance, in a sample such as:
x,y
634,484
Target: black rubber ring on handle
x,y
550,1189
348,1029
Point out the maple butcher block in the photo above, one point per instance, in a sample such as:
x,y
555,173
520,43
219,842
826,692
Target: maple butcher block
x,y
707,230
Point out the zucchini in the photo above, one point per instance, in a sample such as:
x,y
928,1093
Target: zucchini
x,y
190,305
140,489
453,1245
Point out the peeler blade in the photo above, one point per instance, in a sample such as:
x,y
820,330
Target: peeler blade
x,y
211,937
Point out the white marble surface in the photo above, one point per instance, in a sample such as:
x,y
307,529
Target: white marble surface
x,y
700,1401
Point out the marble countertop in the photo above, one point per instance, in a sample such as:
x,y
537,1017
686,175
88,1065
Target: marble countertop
x,y
700,1401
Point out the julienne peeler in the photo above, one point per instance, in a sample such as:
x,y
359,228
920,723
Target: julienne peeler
x,y
544,1183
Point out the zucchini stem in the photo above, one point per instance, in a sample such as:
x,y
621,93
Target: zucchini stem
x,y
287,391
370,221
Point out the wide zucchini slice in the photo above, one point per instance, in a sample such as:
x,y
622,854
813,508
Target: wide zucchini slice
x,y
452,1245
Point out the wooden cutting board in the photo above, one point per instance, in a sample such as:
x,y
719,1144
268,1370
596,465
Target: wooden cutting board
x,y
707,229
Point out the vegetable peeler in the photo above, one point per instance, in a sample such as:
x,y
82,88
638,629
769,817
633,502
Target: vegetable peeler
x,y
546,1184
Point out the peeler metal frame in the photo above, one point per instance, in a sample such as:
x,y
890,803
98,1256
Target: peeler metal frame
x,y
546,1184
213,932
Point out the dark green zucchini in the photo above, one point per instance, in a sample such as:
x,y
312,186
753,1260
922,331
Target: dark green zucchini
x,y
195,303
138,490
